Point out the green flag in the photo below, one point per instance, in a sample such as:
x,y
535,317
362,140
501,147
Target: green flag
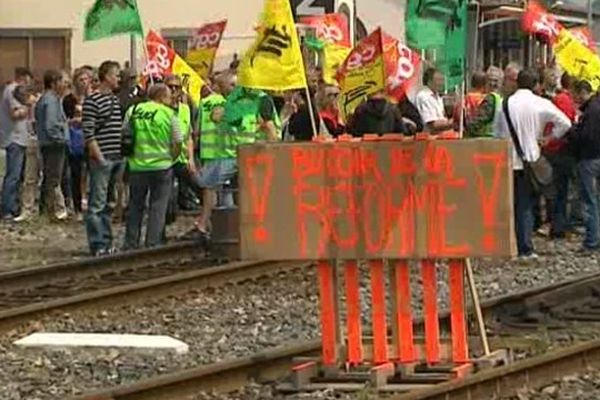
x,y
441,26
112,17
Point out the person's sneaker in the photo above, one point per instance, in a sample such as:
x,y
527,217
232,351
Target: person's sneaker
x,y
529,257
24,216
584,250
543,231
99,253
62,216
111,251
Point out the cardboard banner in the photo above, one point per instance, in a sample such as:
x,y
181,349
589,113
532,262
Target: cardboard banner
x,y
584,35
162,60
537,21
576,59
376,199
401,67
330,28
362,74
205,43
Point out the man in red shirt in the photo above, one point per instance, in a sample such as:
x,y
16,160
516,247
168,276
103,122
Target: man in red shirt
x,y
562,161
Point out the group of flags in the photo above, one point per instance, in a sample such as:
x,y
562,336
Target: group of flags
x,y
379,63
574,49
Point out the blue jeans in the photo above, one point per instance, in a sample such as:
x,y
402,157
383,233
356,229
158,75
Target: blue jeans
x,y
524,201
15,161
589,170
563,166
98,217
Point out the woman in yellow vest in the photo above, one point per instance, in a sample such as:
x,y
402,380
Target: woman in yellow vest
x,y
184,169
157,145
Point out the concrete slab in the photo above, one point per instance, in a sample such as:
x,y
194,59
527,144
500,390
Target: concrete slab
x,y
103,341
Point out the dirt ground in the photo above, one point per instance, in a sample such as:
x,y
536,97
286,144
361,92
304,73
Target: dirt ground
x,y
39,242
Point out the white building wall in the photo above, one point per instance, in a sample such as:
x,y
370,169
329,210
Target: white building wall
x,y
157,14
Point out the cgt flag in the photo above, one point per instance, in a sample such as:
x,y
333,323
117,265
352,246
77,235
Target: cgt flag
x,y
401,67
537,21
363,73
330,28
162,60
274,62
109,18
334,36
205,43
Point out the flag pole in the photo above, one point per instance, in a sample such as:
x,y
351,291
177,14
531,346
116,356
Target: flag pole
x,y
145,48
311,112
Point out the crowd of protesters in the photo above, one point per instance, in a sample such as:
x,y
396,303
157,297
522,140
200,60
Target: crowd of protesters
x,y
102,143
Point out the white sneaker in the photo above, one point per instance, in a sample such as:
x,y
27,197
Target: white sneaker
x,y
529,257
62,216
24,216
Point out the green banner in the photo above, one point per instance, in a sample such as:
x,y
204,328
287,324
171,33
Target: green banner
x,y
112,17
441,26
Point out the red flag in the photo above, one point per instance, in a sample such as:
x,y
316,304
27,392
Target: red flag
x,y
331,28
584,35
401,66
538,21
205,42
160,56
209,36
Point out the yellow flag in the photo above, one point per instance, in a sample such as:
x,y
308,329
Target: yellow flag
x,y
191,81
362,74
333,58
275,61
577,59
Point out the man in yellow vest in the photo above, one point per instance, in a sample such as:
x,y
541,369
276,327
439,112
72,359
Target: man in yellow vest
x,y
157,144
234,116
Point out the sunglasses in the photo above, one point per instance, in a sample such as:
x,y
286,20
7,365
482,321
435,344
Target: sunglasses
x,y
333,94
174,87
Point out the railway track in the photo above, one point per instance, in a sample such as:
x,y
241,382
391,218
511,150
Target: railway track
x,y
547,307
102,282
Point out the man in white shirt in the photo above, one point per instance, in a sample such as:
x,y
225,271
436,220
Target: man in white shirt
x,y
430,102
529,114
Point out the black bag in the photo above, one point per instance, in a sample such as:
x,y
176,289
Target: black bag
x,y
128,135
539,173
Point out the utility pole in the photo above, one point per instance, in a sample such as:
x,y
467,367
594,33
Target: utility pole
x,y
590,15
133,53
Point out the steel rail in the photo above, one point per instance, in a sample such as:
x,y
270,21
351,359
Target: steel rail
x,y
224,376
507,380
195,279
21,279
221,379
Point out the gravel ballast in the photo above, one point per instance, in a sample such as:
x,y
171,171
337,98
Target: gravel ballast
x,y
224,323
